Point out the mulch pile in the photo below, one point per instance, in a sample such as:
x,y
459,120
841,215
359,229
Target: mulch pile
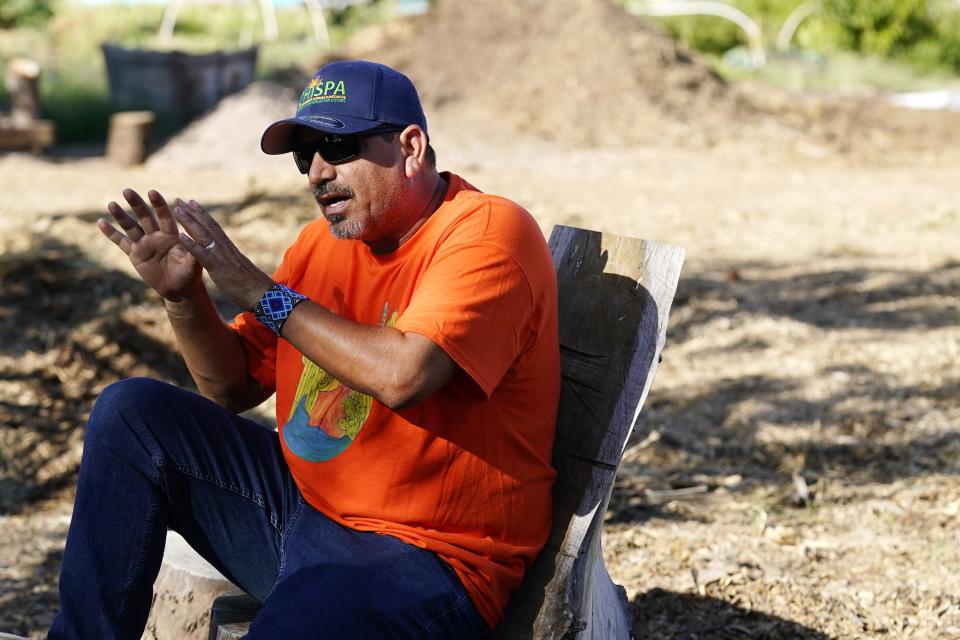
x,y
582,73
586,73
578,72
229,135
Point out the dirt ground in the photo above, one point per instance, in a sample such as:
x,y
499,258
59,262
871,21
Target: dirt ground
x,y
794,473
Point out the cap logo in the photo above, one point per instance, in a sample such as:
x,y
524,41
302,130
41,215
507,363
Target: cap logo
x,y
320,91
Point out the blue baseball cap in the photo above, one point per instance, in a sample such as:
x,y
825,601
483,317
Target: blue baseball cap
x,y
348,97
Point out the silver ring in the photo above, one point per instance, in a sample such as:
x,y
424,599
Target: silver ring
x,y
210,246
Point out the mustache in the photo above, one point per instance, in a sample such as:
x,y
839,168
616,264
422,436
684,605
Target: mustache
x,y
332,189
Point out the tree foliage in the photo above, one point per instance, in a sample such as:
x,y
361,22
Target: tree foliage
x,y
920,31
925,32
884,27
25,13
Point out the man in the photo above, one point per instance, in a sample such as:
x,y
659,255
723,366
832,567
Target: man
x,y
410,336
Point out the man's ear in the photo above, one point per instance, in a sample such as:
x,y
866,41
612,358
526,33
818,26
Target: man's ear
x,y
413,146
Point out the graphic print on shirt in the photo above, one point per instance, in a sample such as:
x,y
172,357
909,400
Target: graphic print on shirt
x,y
326,415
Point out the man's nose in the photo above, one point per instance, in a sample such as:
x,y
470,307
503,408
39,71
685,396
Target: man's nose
x,y
320,171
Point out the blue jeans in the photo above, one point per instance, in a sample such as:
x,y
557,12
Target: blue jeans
x,y
157,457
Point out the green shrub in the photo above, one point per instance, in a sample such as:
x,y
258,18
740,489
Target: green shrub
x,y
25,13
884,27
704,33
81,111
925,33
716,35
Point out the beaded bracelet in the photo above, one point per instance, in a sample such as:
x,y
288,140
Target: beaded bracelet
x,y
275,306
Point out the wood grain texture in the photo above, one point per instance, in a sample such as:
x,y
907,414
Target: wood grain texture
x,y
36,136
615,297
129,137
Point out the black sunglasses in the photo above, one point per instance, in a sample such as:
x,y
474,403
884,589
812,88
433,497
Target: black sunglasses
x,y
335,149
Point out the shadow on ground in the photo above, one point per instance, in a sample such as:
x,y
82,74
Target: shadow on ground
x,y
829,299
71,326
869,439
27,608
664,615
870,426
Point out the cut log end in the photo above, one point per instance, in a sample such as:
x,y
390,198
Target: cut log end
x,y
24,67
129,138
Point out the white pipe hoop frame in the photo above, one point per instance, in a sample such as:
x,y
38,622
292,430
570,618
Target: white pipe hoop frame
x,y
268,12
671,8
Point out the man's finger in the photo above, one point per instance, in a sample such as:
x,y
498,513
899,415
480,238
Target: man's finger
x,y
114,235
203,218
148,221
196,222
182,216
200,253
164,217
126,221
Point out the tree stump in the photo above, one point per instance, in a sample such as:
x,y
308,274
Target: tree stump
x,y
182,595
21,81
23,128
36,136
128,141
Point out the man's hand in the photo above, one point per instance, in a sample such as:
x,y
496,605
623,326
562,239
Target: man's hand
x,y
172,263
151,239
234,274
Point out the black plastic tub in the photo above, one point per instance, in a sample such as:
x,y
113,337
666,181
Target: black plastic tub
x,y
174,84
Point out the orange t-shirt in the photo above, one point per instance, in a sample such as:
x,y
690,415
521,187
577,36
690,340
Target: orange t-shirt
x,y
466,473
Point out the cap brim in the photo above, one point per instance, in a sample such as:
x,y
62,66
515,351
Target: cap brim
x,y
280,137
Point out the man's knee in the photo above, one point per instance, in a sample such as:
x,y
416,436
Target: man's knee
x,y
127,401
